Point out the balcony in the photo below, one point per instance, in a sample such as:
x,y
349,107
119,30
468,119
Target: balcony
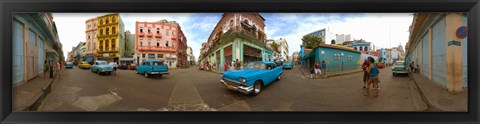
x,y
156,49
149,34
174,38
107,50
158,35
141,34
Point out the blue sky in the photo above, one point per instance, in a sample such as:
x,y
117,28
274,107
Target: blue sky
x,y
383,29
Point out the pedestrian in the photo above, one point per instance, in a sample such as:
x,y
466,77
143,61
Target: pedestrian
x,y
232,67
373,79
237,65
317,70
365,65
324,68
225,66
59,69
51,69
312,71
411,67
45,69
115,67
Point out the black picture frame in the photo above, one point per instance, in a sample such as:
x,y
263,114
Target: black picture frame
x,y
7,7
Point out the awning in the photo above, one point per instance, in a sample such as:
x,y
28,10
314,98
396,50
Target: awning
x,y
126,59
89,58
309,54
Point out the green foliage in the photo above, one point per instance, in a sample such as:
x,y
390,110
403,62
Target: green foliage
x,y
275,46
311,42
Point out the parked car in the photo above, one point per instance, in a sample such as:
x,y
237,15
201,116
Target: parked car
x,y
84,65
252,78
101,66
288,65
69,65
123,66
152,67
399,68
132,66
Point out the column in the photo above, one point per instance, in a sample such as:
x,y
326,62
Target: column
x,y
222,57
430,53
454,54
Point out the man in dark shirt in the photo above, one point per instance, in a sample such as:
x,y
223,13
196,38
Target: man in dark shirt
x,y
365,65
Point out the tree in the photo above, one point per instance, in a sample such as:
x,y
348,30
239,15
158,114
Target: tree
x,y
275,46
311,42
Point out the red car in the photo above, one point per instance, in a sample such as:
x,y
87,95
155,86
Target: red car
x,y
132,66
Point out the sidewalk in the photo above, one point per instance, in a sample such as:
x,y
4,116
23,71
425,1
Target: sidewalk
x,y
25,95
438,98
306,74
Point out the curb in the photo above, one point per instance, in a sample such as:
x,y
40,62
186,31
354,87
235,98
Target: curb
x,y
430,107
340,74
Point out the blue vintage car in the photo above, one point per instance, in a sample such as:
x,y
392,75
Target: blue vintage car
x,y
252,78
101,66
288,65
152,67
69,65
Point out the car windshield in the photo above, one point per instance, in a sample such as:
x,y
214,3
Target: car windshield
x,y
399,63
102,63
255,65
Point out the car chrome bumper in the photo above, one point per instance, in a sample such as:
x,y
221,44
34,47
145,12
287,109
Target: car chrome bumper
x,y
159,73
242,89
404,72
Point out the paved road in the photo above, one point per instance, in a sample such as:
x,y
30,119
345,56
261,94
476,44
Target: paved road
x,y
194,90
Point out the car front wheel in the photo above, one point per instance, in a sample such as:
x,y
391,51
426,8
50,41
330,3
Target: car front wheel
x,y
257,88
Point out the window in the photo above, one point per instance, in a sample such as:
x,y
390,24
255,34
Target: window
x,y
141,29
94,24
88,26
166,44
107,31
336,56
101,21
148,43
158,44
365,48
101,45
94,45
160,55
143,55
350,57
158,30
361,48
231,23
141,43
113,19
113,30
94,35
107,45
166,32
101,32
113,44
173,32
88,36
106,21
173,44
149,29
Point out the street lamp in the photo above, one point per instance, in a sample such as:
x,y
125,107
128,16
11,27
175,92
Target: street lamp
x,y
341,59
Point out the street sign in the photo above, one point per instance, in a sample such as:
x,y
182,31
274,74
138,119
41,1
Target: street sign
x,y
454,43
462,32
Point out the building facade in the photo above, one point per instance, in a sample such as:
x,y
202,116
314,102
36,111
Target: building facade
x,y
35,42
190,57
295,57
337,58
162,40
340,38
237,36
363,47
110,36
326,35
91,40
440,54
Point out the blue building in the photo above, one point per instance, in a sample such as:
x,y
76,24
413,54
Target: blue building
x,y
337,58
35,41
364,47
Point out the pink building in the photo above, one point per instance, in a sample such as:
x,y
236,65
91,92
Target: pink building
x,y
90,39
162,40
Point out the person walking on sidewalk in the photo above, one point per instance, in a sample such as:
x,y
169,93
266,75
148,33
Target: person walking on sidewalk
x,y
59,70
373,79
365,65
324,68
45,69
225,66
317,70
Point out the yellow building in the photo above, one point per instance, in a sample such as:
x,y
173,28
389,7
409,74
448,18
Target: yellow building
x,y
110,37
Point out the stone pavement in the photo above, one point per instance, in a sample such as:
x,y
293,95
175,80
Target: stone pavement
x,y
25,95
438,98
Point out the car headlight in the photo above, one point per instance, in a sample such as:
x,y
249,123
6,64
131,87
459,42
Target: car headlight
x,y
242,80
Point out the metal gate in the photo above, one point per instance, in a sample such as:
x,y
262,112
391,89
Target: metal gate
x,y
17,58
439,49
425,68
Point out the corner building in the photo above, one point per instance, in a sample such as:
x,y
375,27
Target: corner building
x,y
110,36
